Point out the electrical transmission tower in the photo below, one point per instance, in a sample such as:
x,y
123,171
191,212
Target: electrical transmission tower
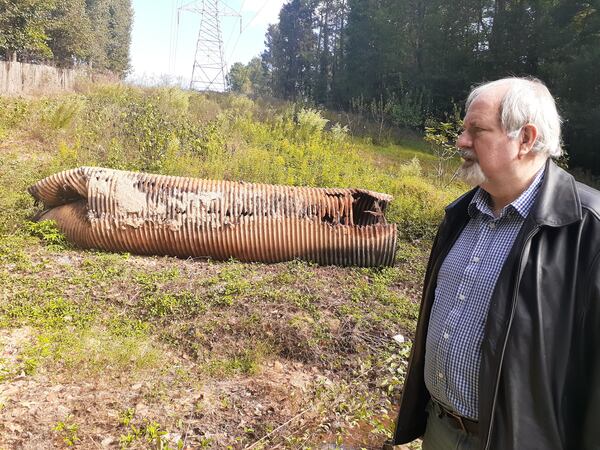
x,y
210,67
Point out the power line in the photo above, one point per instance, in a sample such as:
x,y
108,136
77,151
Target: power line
x,y
172,35
233,28
248,25
174,39
255,15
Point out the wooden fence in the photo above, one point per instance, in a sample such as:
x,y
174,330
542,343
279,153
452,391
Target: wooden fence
x,y
20,78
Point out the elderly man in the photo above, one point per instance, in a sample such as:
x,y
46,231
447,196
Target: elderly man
x,y
506,352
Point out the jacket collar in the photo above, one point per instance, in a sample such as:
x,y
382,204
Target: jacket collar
x,y
557,205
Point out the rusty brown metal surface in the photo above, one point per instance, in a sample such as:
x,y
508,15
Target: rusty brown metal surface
x,y
154,214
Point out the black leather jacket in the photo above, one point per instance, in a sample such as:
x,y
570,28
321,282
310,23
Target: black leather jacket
x,y
539,383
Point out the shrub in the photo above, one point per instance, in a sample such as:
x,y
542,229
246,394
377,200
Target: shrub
x,y
417,208
442,137
16,205
13,112
339,133
171,102
239,105
61,115
203,109
310,121
48,232
408,110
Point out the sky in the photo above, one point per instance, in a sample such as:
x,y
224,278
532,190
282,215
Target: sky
x,y
163,40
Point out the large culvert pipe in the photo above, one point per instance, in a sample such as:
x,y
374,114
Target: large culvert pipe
x,y
154,214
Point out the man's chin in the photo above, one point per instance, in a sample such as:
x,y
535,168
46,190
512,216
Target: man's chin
x,y
470,172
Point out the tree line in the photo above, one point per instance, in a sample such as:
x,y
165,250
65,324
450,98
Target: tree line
x,y
67,33
415,59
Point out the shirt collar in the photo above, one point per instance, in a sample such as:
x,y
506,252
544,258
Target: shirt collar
x,y
481,201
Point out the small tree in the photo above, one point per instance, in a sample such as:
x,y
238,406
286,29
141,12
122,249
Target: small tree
x,y
238,79
442,137
380,111
249,79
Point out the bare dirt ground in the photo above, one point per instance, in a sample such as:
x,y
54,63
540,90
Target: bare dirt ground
x,y
118,351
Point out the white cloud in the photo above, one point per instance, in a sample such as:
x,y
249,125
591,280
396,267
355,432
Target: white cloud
x,y
261,12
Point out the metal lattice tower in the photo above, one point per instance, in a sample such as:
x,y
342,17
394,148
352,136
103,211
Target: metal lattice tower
x,y
208,72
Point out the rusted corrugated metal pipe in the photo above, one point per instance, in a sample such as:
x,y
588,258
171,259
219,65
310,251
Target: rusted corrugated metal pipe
x,y
154,214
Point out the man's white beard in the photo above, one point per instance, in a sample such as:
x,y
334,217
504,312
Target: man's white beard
x,y
470,171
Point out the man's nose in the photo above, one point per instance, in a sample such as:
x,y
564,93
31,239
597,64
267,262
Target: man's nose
x,y
463,140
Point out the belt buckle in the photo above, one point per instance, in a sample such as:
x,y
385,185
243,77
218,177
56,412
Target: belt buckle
x,y
459,419
454,415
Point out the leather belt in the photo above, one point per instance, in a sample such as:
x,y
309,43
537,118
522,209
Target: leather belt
x,y
462,423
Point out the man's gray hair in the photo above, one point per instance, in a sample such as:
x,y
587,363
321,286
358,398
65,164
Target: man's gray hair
x,y
527,101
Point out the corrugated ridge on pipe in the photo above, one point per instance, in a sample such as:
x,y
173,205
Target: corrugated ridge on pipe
x,y
142,213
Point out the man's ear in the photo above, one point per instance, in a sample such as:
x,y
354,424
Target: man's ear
x,y
527,138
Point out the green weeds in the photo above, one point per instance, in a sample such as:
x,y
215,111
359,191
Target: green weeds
x,y
229,285
163,304
12,250
16,205
145,431
98,267
61,115
47,312
243,362
49,233
385,302
5,370
67,429
91,352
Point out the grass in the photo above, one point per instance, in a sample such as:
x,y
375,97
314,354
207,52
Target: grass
x,y
155,337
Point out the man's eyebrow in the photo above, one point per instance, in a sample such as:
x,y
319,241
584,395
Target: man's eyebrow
x,y
474,124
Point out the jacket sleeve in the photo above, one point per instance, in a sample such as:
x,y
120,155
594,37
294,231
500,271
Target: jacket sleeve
x,y
591,425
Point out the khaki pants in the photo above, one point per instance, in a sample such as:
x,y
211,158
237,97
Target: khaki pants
x,y
441,435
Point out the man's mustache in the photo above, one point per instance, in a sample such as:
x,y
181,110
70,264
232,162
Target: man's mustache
x,y
467,154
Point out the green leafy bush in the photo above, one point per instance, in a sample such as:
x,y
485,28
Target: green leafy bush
x,y
339,133
442,137
48,232
310,122
16,205
61,115
408,109
13,112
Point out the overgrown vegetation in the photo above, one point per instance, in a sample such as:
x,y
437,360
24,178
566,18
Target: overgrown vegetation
x,y
157,352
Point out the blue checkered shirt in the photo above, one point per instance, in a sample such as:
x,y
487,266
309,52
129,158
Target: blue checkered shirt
x,y
464,289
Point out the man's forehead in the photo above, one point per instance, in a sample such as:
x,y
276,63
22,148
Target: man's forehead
x,y
484,107
488,100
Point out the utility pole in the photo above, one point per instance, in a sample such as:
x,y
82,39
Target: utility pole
x,y
210,67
